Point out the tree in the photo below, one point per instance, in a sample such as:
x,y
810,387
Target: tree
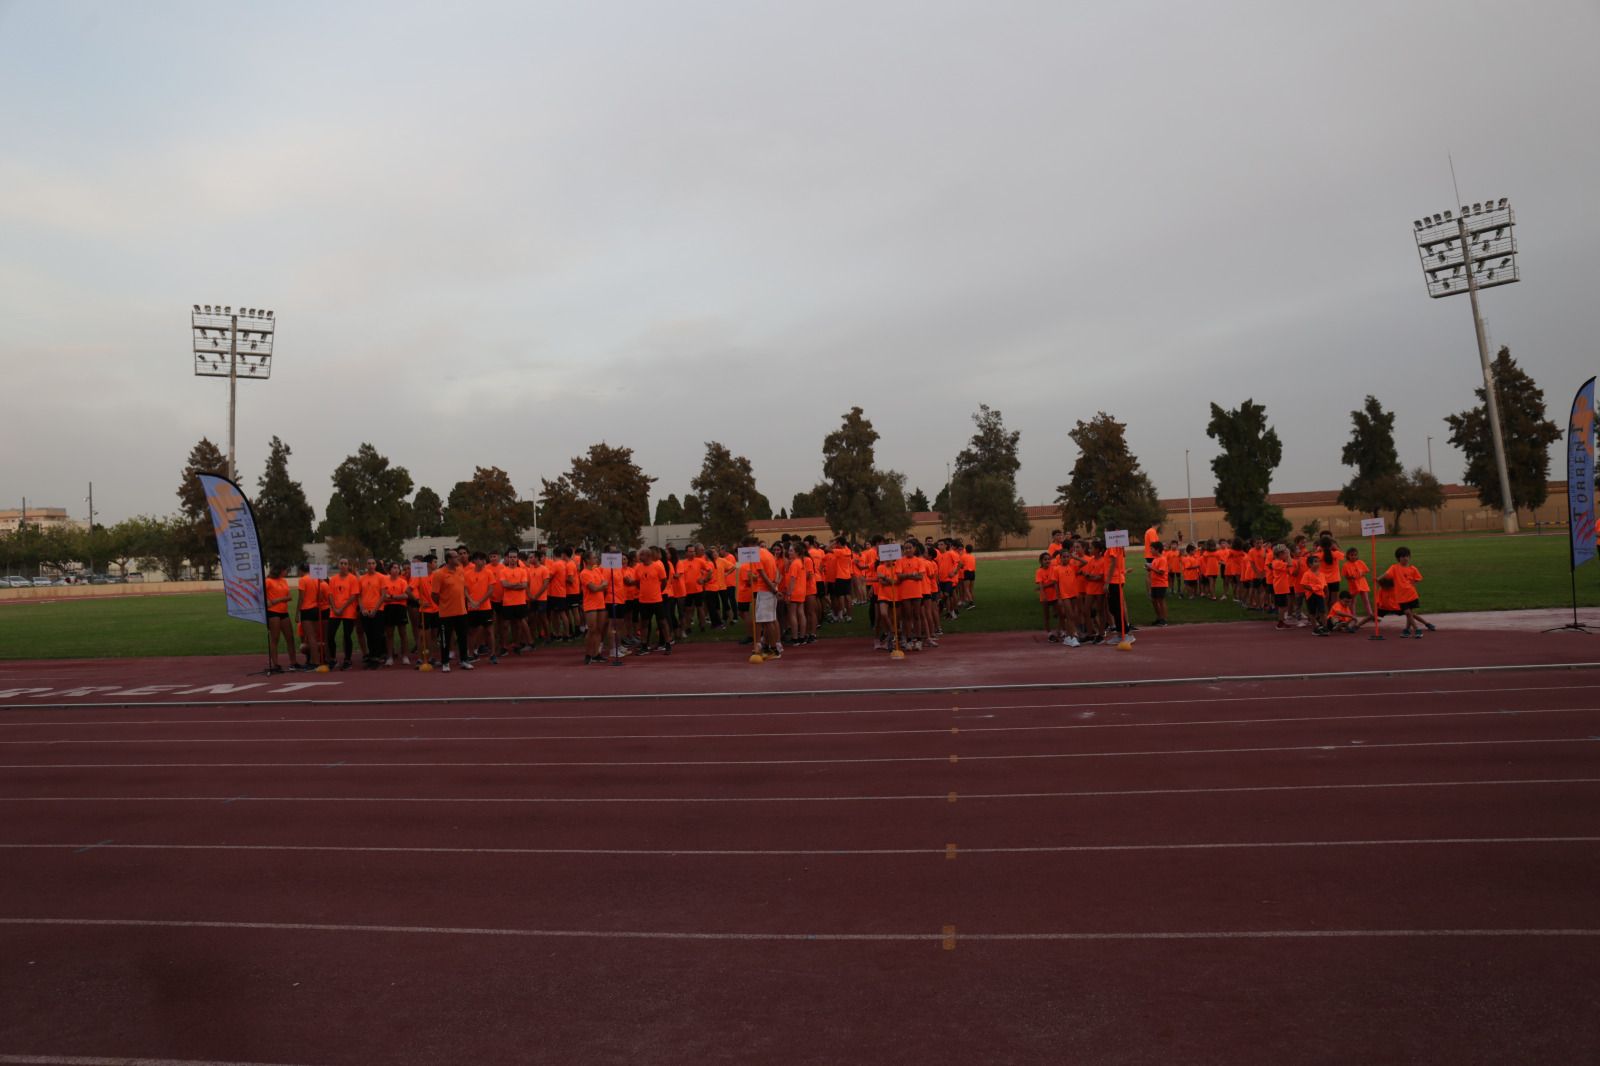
x,y
669,512
726,488
427,513
760,508
194,534
941,502
1371,450
811,503
1250,453
131,539
783,514
1528,436
1419,491
335,520
1108,490
983,487
605,499
374,495
691,508
283,517
166,549
861,499
917,502
485,511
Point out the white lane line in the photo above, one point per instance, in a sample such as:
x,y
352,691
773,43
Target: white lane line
x,y
939,852
956,687
866,759
937,937
798,713
803,734
101,1060
939,797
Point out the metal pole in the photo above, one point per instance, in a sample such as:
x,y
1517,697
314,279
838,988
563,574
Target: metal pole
x,y
1508,512
232,396
1188,491
91,525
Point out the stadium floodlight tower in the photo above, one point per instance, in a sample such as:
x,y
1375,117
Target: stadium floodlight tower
x,y
1462,255
232,344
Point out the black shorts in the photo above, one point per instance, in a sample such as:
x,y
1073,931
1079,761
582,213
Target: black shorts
x,y
1158,594
1280,599
315,614
972,575
1315,603
574,601
839,587
694,599
1411,605
514,612
946,587
645,611
617,610
480,618
394,614
430,619
1385,612
539,607
1333,591
277,614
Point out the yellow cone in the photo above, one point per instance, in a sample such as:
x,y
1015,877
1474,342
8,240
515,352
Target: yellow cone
x,y
757,657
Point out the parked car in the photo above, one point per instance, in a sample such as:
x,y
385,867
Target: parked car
x,y
42,582
15,583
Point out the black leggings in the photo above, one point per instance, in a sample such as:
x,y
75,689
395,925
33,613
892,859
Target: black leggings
x,y
335,626
454,626
377,642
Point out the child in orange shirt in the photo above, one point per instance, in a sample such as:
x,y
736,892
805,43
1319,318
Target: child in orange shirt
x,y
1159,579
1312,585
1354,572
1405,578
1044,579
1341,616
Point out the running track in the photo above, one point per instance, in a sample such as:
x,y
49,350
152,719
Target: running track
x,y
1381,867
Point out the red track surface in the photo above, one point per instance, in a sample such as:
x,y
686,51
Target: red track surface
x,y
1362,869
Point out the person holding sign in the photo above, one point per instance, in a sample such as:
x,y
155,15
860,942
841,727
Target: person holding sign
x,y
763,575
426,626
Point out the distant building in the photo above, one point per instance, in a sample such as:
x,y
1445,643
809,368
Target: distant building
x,y
42,517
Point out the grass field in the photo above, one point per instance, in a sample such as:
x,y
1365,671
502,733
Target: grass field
x,y
1471,573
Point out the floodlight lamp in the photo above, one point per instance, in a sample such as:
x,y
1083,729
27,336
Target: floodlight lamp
x,y
1437,220
1415,224
269,314
197,309
1502,202
1447,215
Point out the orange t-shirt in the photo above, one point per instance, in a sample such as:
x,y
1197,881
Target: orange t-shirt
x,y
1158,571
650,579
1355,573
450,591
497,590
278,595
969,561
764,577
675,581
949,564
1210,563
1387,600
395,589
886,577
372,586
477,584
310,592
1330,571
1339,612
557,569
1045,579
1282,577
422,588
344,590
1152,543
721,570
1405,581
1312,582
514,575
1191,566
1068,584
538,581
593,599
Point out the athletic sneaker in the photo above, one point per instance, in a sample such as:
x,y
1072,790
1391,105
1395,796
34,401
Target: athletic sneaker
x,y
405,660
445,669
389,661
1431,626
466,666
1053,638
1071,642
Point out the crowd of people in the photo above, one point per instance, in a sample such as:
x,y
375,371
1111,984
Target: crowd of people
x,y
469,607
1302,584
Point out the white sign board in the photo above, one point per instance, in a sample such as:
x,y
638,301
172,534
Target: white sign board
x,y
319,571
1372,527
1116,538
749,555
419,569
611,561
888,553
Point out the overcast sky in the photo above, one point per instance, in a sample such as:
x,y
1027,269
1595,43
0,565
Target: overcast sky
x,y
495,234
